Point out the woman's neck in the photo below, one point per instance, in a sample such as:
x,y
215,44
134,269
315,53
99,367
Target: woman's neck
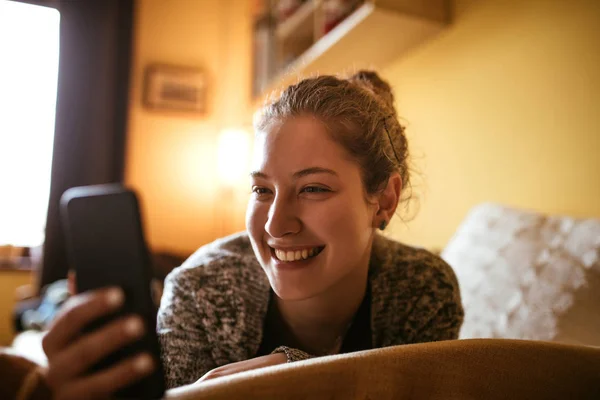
x,y
317,325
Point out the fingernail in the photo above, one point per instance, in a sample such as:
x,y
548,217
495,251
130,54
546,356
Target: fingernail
x,y
143,363
115,297
133,326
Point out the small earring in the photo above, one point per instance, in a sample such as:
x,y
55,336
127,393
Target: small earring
x,y
383,225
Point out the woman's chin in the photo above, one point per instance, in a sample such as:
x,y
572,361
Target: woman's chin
x,y
294,291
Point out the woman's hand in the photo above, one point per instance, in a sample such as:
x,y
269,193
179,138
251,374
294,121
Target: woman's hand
x,y
70,354
253,363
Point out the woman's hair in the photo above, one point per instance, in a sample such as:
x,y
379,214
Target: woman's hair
x,y
359,114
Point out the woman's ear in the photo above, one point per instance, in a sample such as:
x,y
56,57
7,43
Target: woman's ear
x,y
388,201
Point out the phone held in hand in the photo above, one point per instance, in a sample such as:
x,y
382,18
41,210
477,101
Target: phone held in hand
x,y
106,247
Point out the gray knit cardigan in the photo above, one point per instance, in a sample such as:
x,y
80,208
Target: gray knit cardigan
x,y
214,305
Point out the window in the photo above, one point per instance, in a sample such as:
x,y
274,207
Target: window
x,y
29,50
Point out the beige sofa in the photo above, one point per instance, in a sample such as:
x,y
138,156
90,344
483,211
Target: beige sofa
x,y
457,369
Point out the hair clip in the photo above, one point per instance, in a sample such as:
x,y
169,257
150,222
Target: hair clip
x,y
390,138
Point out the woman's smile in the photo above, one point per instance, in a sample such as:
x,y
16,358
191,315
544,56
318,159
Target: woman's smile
x,y
295,254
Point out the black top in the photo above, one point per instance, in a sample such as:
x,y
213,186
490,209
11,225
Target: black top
x,y
357,338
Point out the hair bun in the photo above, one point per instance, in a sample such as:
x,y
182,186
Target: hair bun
x,y
371,81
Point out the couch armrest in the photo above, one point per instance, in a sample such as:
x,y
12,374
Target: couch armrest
x,y
456,369
21,378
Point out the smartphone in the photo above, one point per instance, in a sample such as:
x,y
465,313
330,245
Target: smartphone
x,y
106,247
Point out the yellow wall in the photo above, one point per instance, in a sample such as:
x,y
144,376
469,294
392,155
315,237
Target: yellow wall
x,y
171,158
9,281
504,106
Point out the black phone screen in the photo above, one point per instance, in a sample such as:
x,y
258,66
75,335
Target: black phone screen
x,y
106,246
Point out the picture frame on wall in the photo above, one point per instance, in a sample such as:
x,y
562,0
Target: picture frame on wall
x,y
175,88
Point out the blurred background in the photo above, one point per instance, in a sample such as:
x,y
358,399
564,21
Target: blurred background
x,y
500,99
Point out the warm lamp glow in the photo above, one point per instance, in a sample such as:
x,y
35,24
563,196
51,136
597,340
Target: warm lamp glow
x,y
233,156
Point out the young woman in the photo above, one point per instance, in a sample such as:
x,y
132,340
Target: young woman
x,y
310,277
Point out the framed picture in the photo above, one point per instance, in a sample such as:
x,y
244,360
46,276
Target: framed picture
x,y
169,87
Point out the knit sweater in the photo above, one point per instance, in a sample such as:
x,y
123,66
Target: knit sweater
x,y
214,305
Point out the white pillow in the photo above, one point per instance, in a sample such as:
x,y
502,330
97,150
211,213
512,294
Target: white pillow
x,y
525,275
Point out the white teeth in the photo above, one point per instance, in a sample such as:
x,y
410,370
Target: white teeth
x,y
295,255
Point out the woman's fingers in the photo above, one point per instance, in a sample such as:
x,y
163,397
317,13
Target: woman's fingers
x,y
77,312
71,353
93,347
71,283
240,366
103,384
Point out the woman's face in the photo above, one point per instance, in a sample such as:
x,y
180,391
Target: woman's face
x,y
308,219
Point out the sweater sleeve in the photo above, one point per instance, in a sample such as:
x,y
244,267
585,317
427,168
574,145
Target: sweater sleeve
x,y
185,348
444,323
292,354
438,313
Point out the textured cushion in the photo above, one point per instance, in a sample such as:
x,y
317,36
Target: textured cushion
x,y
528,276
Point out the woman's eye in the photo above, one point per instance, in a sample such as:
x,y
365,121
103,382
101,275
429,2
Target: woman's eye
x,y
315,189
260,190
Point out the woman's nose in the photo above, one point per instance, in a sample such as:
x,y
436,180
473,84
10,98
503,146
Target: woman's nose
x,y
282,219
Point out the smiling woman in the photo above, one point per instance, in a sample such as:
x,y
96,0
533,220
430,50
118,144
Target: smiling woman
x,y
311,276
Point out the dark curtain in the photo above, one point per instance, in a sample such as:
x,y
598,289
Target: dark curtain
x,y
91,111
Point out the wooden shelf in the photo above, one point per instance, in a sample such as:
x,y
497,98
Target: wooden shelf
x,y
376,33
301,22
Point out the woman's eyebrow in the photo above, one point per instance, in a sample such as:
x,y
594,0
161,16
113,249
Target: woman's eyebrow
x,y
258,174
299,174
313,170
